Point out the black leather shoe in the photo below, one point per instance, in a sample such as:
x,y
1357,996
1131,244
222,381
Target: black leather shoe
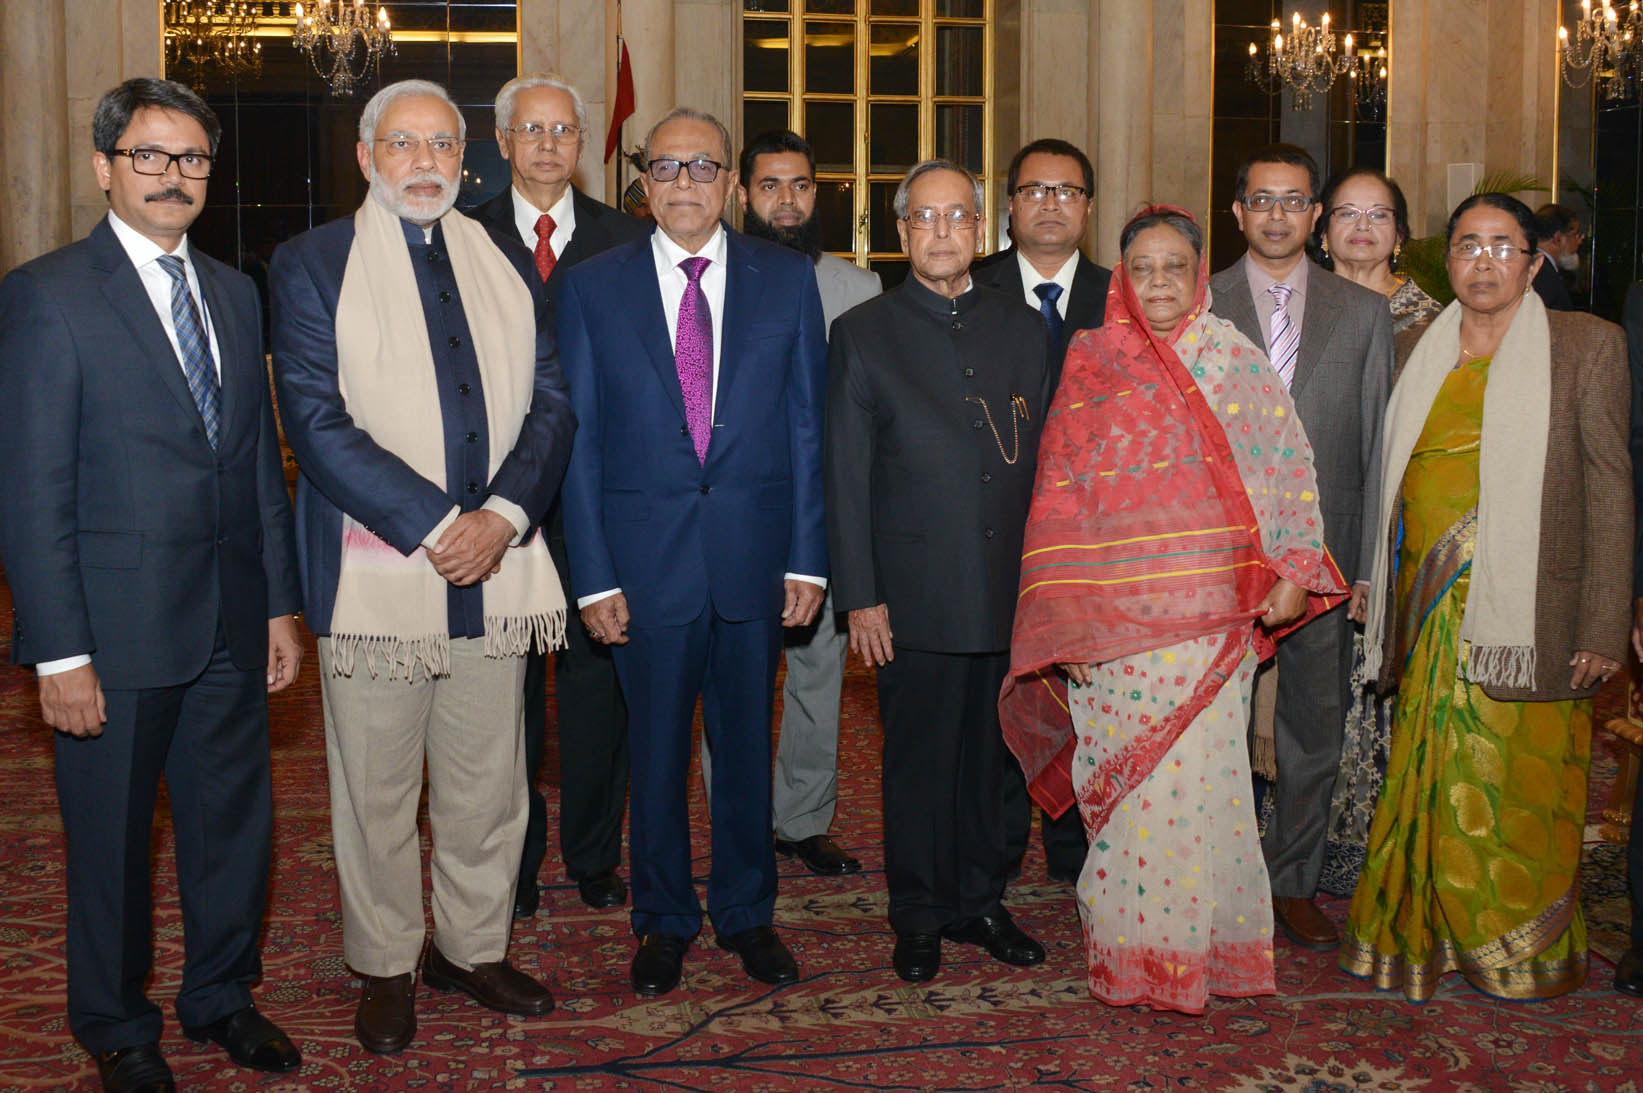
x,y
917,957
603,889
386,1019
999,936
526,899
251,1040
820,854
659,963
1628,974
496,985
764,957
139,1069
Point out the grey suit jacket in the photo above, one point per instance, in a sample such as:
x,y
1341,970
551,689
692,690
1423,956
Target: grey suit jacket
x,y
843,285
1343,376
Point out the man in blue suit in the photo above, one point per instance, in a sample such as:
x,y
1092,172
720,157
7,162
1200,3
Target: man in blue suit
x,y
147,537
693,513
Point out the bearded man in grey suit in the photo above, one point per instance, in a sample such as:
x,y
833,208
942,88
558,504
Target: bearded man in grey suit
x,y
778,198
1331,343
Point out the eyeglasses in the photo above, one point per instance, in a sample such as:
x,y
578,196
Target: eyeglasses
x,y
1471,252
406,147
1263,202
700,169
532,133
1064,193
1378,215
956,218
152,161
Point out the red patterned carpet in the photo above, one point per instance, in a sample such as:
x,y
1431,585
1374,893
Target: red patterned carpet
x,y
849,1024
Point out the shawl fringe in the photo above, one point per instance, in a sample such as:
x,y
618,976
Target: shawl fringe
x,y
430,655
1499,665
515,635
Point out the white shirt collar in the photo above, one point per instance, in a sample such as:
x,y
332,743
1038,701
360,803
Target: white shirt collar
x,y
139,247
669,254
1031,278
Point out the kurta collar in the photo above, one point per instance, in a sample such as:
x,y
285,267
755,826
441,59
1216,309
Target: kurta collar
x,y
937,304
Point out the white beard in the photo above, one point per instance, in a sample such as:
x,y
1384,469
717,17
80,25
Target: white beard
x,y
1570,261
415,209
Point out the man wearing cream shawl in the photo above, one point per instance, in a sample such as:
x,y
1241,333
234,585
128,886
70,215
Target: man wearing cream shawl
x,y
417,377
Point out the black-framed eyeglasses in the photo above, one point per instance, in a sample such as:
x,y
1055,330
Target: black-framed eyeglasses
x,y
1469,251
700,169
153,161
1263,202
533,133
928,218
1037,192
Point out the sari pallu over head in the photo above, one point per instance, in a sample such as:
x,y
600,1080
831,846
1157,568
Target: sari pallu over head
x,y
1175,486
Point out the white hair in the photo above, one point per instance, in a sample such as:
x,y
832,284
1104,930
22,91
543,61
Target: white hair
x,y
511,90
379,105
685,113
899,203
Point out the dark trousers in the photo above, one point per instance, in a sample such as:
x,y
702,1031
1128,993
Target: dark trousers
x,y
1065,846
1314,669
593,744
944,761
209,738
732,667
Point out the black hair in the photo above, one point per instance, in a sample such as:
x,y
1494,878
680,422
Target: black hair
x,y
1050,146
1552,218
1154,217
774,143
115,110
1291,155
1400,208
1506,203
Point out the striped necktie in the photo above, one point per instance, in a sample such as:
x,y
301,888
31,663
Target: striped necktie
x,y
1285,337
195,352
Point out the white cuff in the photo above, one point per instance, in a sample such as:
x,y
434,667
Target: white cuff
x,y
806,578
583,601
431,539
63,664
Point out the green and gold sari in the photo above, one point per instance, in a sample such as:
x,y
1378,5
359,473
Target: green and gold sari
x,y
1475,845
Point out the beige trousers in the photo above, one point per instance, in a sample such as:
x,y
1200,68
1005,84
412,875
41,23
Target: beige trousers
x,y
377,734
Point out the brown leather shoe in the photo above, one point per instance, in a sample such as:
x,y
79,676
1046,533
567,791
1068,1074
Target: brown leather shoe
x,y
497,985
386,1018
1305,925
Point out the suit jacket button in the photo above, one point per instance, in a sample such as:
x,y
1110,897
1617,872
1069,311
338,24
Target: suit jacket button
x,y
988,534
444,297
707,489
986,476
969,372
976,424
473,487
473,438
456,342
222,540
684,430
463,388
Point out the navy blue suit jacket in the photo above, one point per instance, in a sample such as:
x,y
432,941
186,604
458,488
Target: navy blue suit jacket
x,y
124,534
343,469
641,513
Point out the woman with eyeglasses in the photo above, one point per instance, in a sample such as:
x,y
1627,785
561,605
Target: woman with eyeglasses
x,y
1501,592
1360,236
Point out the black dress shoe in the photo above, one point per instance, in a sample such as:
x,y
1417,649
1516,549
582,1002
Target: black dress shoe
x,y
526,899
496,985
602,889
139,1069
251,1040
917,957
659,963
999,936
820,854
764,957
1628,974
386,1019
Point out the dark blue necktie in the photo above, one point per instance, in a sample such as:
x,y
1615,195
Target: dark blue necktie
x,y
1048,293
196,353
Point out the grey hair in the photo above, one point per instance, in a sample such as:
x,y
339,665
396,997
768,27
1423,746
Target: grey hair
x,y
511,90
379,106
1154,217
899,204
685,113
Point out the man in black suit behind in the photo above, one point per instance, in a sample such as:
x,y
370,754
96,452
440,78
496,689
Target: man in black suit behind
x,y
147,537
540,127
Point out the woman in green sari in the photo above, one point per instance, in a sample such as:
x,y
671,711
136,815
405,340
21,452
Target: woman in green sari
x,y
1500,606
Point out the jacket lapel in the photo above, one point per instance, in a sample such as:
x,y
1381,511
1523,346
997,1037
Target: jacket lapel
x,y
220,316
1234,303
1317,324
650,322
741,293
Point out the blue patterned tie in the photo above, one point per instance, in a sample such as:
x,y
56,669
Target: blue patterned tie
x,y
1048,293
196,353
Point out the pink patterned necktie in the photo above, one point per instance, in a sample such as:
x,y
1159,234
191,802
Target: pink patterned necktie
x,y
1285,337
693,356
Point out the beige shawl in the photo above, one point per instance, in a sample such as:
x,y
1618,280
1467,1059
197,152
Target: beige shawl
x,y
392,607
1497,631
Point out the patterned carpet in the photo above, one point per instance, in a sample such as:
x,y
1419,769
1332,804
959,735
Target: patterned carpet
x,y
849,1024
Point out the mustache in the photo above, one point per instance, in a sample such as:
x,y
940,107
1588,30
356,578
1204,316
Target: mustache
x,y
172,193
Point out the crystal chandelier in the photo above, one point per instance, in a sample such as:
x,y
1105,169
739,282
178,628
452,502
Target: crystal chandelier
x,y
337,35
1604,47
1308,61
212,34
1368,76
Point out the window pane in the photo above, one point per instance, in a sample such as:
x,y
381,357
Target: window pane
x,y
830,129
829,56
764,5
959,61
881,217
764,55
893,59
962,9
836,213
895,7
831,7
892,131
958,135
484,16
761,116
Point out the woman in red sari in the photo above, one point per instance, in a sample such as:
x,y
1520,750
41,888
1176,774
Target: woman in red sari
x,y
1175,507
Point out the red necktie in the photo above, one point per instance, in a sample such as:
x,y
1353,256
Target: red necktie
x,y
544,249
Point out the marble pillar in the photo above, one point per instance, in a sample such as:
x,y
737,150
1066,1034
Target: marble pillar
x,y
567,39
1120,117
34,202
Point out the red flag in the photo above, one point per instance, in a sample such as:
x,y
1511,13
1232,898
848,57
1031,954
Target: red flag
x,y
622,109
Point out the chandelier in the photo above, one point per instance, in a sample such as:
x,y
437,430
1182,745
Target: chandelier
x,y
1368,76
212,34
338,35
1307,61
1603,47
